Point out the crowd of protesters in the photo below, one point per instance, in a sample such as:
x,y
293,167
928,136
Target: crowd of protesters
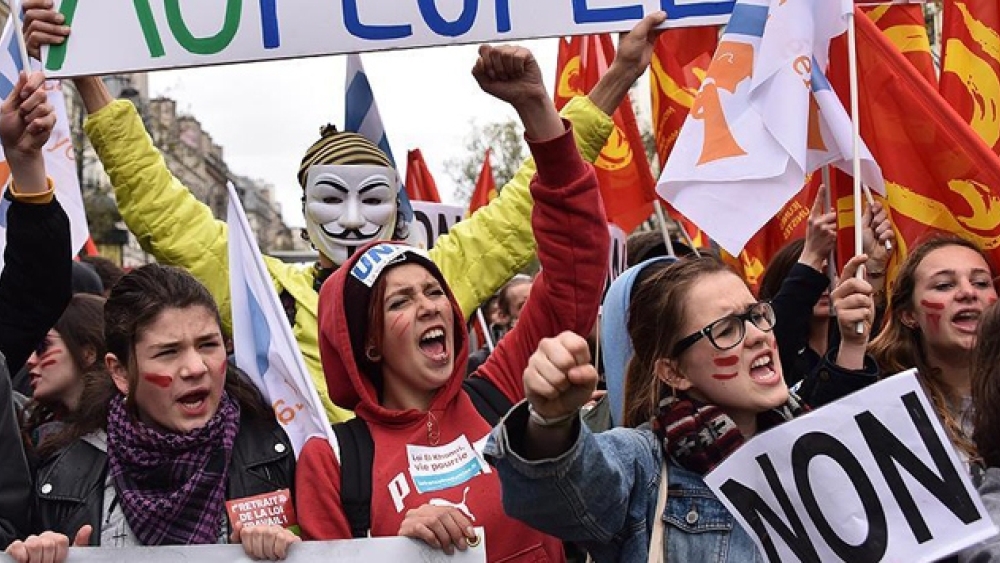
x,y
130,426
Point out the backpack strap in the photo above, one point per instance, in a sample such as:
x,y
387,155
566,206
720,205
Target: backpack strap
x,y
357,454
489,401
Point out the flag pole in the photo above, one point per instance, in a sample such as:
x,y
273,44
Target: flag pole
x,y
15,12
661,216
852,58
831,261
486,329
689,242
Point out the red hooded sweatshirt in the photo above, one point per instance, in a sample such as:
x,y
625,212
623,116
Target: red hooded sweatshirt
x,y
435,456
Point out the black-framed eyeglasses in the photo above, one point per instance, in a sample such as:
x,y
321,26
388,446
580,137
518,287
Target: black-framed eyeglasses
x,y
730,330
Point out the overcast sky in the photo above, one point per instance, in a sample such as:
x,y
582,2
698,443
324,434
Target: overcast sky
x,y
265,115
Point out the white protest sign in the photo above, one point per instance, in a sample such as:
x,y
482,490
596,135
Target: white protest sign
x,y
617,257
870,477
431,220
341,551
111,36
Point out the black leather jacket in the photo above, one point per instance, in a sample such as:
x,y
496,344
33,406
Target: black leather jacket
x,y
15,479
69,490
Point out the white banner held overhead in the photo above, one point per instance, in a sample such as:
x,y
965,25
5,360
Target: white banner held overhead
x,y
870,477
341,551
111,36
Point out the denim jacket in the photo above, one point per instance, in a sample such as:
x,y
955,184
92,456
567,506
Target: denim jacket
x,y
602,494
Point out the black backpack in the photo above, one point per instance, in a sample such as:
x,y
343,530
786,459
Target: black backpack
x,y
357,452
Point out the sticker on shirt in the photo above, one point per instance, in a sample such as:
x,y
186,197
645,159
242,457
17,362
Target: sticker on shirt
x,y
480,447
442,467
268,509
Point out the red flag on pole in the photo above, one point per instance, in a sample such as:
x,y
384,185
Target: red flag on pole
x,y
420,185
627,183
939,174
486,186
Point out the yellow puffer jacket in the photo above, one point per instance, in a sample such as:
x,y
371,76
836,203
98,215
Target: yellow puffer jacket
x,y
477,256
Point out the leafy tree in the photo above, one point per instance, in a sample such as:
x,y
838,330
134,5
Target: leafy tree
x,y
508,152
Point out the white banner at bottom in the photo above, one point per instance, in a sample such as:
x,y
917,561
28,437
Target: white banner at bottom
x,y
341,551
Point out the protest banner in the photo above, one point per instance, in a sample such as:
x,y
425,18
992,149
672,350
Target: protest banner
x,y
341,551
869,477
432,220
111,36
617,257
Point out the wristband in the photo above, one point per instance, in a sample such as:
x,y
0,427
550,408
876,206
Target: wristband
x,y
540,420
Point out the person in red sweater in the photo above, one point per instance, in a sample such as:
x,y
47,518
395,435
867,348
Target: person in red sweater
x,y
394,348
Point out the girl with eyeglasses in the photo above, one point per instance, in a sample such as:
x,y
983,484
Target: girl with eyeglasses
x,y
705,377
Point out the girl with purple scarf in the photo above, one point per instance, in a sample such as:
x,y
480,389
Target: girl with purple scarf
x,y
169,438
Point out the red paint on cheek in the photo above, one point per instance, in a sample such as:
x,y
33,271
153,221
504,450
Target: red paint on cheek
x,y
724,376
398,329
933,305
50,355
726,361
991,300
47,363
161,381
935,321
224,367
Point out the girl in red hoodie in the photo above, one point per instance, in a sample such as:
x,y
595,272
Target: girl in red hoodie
x,y
394,349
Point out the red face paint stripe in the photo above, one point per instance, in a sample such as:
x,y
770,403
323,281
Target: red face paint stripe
x,y
47,363
932,305
724,376
726,361
159,380
49,355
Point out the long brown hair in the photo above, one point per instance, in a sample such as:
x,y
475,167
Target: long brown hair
x,y
899,347
80,328
779,267
656,316
986,387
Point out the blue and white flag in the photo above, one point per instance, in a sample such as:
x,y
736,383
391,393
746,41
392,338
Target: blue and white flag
x,y
362,117
60,158
265,346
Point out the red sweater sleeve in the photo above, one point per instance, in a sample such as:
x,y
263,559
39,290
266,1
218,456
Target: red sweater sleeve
x,y
317,493
571,231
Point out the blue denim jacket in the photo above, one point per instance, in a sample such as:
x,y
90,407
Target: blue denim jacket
x,y
602,494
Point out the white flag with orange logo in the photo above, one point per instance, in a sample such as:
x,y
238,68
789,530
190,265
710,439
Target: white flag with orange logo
x,y
60,161
763,119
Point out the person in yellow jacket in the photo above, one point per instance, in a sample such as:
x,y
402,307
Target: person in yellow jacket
x,y
477,256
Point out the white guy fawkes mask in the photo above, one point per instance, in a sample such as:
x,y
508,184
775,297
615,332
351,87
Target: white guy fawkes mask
x,y
348,206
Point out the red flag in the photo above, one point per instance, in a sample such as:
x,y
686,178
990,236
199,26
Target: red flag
x,y
940,176
970,65
627,183
903,25
486,186
420,185
680,61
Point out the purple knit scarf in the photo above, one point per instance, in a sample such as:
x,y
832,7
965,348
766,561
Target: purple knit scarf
x,y
698,436
172,486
